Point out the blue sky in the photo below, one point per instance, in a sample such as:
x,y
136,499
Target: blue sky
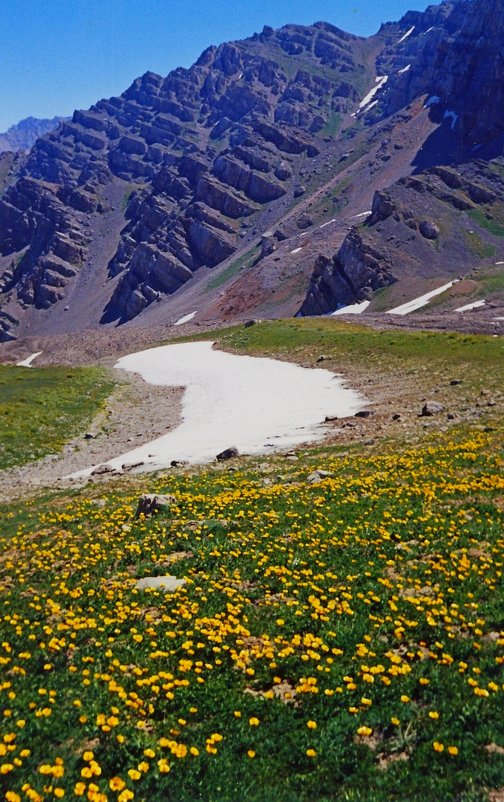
x,y
58,55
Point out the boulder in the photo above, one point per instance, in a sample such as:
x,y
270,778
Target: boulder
x,y
101,470
228,453
152,504
429,230
431,408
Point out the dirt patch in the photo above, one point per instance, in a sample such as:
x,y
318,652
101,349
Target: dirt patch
x,y
135,413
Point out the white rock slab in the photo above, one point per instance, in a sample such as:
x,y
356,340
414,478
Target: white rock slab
x,y
257,405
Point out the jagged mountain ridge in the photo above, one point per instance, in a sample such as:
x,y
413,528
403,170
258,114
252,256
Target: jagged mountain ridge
x,y
133,201
197,151
24,134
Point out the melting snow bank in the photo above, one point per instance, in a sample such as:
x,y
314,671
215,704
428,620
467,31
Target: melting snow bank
x,y
185,319
423,300
408,33
381,80
353,309
252,403
468,307
27,363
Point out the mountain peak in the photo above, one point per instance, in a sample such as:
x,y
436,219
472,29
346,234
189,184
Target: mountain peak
x,y
256,165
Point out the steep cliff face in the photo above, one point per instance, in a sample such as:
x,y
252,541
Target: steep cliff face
x,y
440,223
454,56
451,57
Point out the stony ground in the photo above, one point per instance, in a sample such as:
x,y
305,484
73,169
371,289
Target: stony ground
x,y
136,413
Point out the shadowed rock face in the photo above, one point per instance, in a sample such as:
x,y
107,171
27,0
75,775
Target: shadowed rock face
x,y
127,201
413,231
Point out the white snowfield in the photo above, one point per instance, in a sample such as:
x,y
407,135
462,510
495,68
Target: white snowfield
x,y
422,300
468,307
256,405
28,362
185,319
352,309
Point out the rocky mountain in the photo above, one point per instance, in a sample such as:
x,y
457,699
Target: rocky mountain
x,y
297,171
25,133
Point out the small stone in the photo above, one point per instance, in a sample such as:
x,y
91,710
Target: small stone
x,y
321,358
431,408
89,436
396,416
228,453
454,382
363,413
100,470
130,466
318,476
165,583
178,463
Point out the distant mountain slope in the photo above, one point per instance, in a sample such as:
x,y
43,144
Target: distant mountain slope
x,y
25,133
244,185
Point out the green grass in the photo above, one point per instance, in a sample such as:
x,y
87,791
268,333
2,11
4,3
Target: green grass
x,y
483,250
332,125
329,640
42,408
351,344
240,264
334,642
492,280
493,226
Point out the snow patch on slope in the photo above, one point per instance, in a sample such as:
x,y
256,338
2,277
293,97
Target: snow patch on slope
x,y
422,300
408,33
468,307
185,319
352,309
27,363
381,80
